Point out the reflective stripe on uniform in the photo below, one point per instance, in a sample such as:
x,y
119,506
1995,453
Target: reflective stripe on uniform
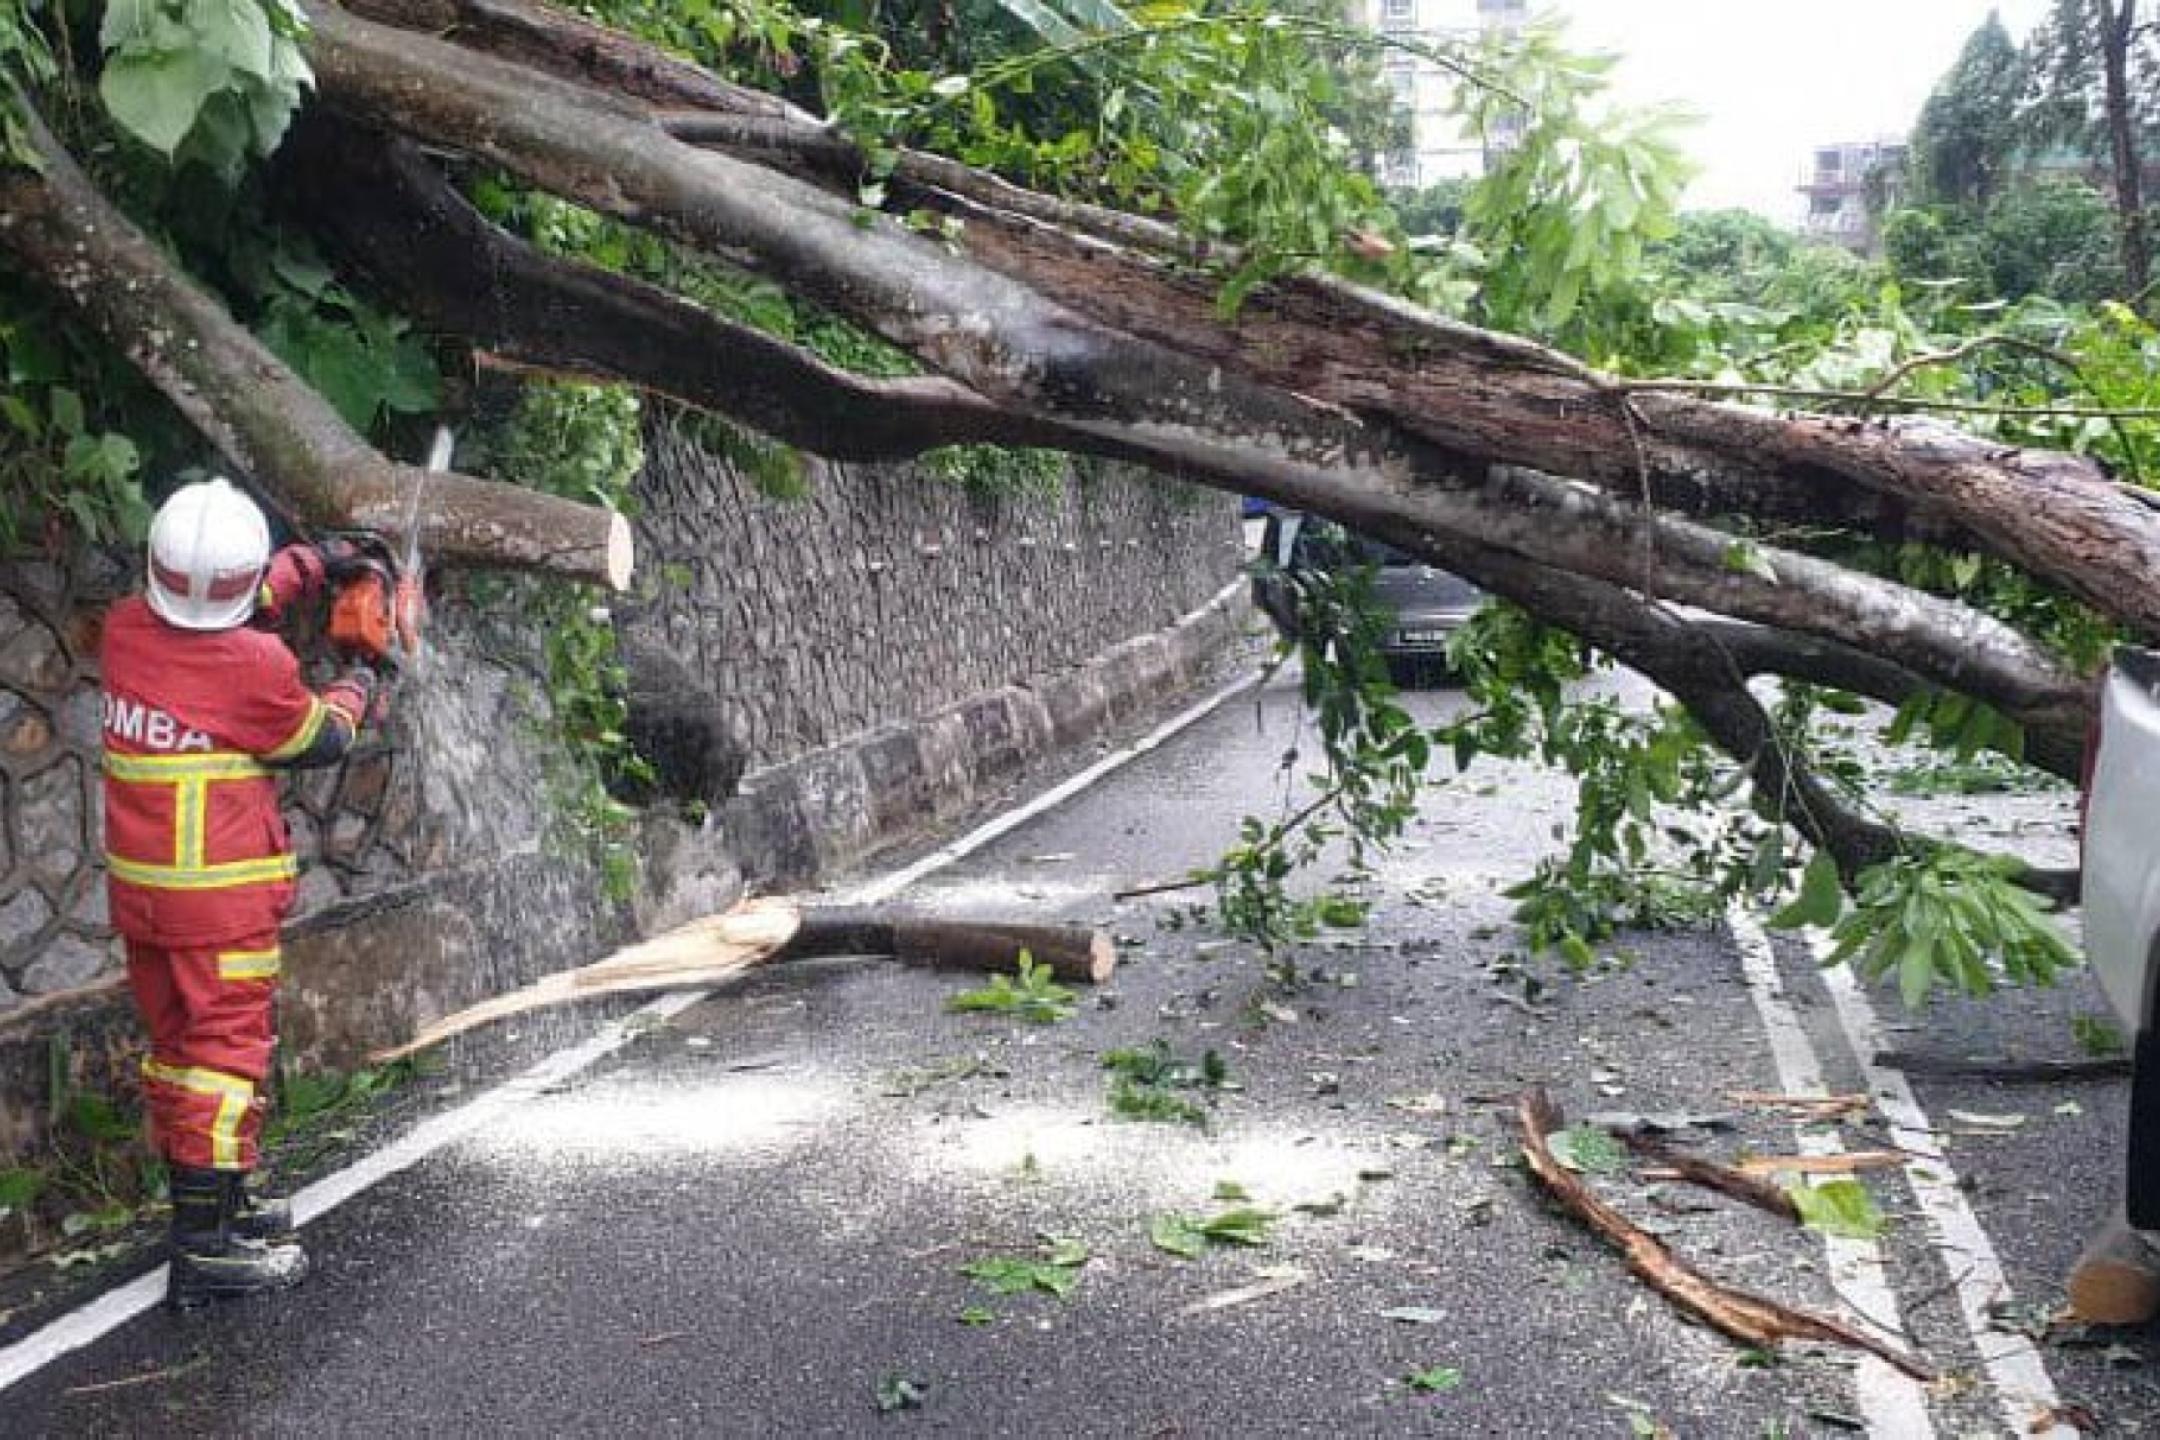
x,y
206,877
303,737
172,769
232,1093
250,964
191,777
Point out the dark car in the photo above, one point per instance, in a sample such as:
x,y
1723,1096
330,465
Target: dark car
x,y
1426,604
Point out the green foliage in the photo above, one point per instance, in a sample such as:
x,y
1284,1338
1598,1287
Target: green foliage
x,y
1031,994
1565,213
2098,1036
26,59
1948,919
210,80
1188,1236
1149,1084
364,361
583,441
1054,1269
1968,131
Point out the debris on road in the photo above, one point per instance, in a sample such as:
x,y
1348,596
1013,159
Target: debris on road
x,y
1811,1107
1274,1280
1750,1318
774,930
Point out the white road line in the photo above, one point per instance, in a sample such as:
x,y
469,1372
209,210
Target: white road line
x,y
1892,1402
2024,1393
90,1323
887,886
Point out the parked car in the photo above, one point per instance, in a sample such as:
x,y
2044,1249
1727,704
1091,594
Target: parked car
x,y
1426,604
2117,1280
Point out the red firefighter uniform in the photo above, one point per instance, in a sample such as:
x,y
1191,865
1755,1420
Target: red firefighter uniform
x,y
199,867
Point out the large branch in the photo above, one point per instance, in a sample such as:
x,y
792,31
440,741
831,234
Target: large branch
x,y
1186,414
385,209
260,415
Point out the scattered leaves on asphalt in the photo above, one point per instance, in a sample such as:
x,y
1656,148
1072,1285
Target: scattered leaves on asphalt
x,y
1056,1270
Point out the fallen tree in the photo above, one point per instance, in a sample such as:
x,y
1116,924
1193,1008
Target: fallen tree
x,y
1626,511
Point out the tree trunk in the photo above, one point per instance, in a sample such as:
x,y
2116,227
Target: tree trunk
x,y
262,417
2118,33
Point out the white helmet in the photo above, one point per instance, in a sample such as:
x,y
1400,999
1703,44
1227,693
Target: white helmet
x,y
209,546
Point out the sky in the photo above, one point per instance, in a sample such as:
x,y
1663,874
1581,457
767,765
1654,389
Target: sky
x,y
1773,80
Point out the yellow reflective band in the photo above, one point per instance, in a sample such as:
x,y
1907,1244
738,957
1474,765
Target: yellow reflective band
x,y
233,1095
173,769
189,805
249,964
206,877
303,737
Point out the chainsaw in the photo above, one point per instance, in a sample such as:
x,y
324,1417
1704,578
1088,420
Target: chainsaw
x,y
377,609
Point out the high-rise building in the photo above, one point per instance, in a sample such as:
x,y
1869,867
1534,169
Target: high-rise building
x,y
1440,147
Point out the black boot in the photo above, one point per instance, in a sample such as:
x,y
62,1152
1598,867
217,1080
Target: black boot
x,y
209,1260
257,1217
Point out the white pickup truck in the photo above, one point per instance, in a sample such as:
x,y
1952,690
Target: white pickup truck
x,y
2122,896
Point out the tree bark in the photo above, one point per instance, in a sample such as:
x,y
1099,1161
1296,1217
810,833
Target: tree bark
x,y
2118,32
256,412
1181,407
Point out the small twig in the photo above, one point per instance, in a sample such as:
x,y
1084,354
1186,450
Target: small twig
x,y
147,1378
1828,1106
662,1338
1169,887
1712,1176
1851,1162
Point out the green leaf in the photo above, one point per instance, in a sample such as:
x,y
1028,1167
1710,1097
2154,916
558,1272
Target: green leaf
x,y
1837,1207
67,410
237,32
1178,1234
1820,901
1436,1381
1746,558
1587,1150
157,97
896,1392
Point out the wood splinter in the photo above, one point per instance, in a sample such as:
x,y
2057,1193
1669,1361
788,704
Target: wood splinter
x,y
1748,1318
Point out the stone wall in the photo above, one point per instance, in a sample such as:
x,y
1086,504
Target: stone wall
x,y
429,879
884,596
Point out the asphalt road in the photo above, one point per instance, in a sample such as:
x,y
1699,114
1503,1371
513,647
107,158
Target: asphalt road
x,y
753,1218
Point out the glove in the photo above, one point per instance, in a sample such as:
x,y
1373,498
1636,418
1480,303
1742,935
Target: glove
x,y
341,559
294,573
359,691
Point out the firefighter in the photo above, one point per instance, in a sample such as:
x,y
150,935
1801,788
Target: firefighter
x,y
201,709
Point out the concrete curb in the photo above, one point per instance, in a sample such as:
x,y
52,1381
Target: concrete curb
x,y
834,808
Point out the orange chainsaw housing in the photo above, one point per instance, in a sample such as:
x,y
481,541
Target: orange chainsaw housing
x,y
372,615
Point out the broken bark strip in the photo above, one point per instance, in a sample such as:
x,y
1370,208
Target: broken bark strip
x,y
1748,1318
1711,1175
718,948
265,419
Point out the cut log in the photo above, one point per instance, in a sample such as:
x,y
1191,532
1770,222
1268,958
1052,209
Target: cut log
x,y
1749,1318
774,930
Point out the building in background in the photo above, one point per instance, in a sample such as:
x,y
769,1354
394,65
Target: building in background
x,y
1849,188
1440,147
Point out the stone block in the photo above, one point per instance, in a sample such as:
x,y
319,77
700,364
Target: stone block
x,y
68,963
51,821
31,659
24,729
22,919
